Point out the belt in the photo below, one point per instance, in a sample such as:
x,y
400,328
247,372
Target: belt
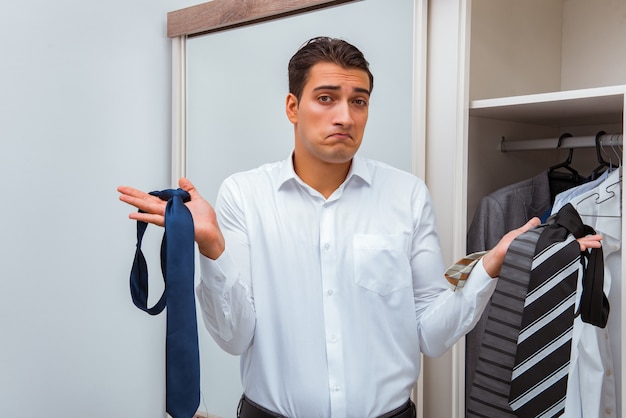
x,y
249,409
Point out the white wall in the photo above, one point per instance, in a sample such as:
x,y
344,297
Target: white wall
x,y
84,107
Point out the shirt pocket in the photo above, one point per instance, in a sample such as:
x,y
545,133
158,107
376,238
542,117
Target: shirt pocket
x,y
381,263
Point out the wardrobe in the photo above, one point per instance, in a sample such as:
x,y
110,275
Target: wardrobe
x,y
525,73
494,74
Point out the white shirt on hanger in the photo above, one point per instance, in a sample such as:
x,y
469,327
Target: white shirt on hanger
x,y
566,196
592,389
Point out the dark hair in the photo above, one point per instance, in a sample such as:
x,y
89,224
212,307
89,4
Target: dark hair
x,y
324,49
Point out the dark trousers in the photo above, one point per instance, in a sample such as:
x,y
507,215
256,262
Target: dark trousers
x,y
248,409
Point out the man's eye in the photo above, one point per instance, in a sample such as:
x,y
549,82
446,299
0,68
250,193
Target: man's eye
x,y
361,102
324,99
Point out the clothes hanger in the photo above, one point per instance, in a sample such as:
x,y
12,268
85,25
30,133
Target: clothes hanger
x,y
602,164
603,193
615,151
571,176
560,181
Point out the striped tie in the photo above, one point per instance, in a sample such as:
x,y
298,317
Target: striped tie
x,y
539,379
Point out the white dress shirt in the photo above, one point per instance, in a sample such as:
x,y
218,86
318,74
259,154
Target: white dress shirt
x,y
330,301
566,196
594,381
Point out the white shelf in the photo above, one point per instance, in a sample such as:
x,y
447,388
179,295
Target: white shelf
x,y
573,107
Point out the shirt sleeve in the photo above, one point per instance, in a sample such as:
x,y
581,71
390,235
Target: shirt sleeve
x,y
225,292
443,315
455,313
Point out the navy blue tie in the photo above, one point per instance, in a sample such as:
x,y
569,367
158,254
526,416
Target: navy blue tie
x,y
177,266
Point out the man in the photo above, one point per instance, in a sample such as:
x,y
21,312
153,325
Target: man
x,y
324,271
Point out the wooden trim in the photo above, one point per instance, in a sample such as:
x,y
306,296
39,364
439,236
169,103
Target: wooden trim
x,y
220,15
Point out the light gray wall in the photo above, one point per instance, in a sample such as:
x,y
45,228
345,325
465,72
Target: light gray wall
x,y
84,107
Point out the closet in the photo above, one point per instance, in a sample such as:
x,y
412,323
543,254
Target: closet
x,y
537,70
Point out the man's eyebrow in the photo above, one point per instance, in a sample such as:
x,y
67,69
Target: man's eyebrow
x,y
329,87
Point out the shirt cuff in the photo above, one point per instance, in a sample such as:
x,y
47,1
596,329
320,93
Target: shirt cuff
x,y
457,274
220,273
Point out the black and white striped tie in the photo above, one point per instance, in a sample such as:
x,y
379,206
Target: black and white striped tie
x,y
539,379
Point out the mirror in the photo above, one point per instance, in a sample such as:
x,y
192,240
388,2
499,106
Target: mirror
x,y
230,115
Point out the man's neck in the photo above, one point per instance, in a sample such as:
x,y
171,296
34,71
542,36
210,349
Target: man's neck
x,y
321,176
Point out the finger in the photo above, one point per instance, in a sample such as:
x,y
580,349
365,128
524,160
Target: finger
x,y
141,200
533,222
595,237
590,241
514,233
129,194
131,191
584,246
148,218
187,186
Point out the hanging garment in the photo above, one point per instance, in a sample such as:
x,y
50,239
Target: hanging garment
x,y
594,380
508,208
566,197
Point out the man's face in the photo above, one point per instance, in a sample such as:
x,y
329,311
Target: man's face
x,y
329,120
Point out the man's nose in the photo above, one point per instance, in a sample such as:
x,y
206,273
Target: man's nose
x,y
343,114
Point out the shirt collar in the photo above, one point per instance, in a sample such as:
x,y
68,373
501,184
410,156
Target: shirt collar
x,y
287,172
359,168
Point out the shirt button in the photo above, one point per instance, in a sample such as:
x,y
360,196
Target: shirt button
x,y
326,247
608,373
329,292
333,339
336,388
608,411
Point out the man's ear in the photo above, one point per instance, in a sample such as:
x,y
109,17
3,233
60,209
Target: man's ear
x,y
291,108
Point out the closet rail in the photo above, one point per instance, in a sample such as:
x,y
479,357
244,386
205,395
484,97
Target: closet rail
x,y
606,140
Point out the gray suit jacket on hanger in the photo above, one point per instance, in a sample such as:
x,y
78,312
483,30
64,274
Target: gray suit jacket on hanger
x,y
508,208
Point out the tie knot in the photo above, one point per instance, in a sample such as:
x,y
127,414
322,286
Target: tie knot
x,y
167,194
569,218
